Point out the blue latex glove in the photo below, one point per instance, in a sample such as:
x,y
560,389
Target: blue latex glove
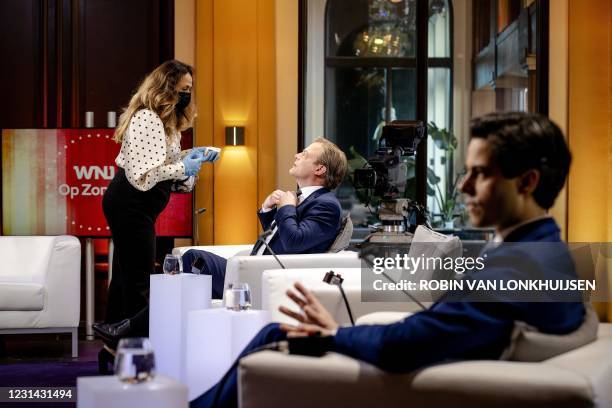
x,y
192,163
208,154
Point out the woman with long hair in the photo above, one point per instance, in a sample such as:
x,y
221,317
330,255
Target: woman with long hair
x,y
151,165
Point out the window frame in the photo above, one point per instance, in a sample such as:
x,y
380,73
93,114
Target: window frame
x,y
421,65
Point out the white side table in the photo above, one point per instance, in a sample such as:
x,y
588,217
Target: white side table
x,y
172,298
215,338
108,391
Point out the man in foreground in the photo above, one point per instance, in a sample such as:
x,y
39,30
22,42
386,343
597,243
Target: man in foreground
x,y
516,165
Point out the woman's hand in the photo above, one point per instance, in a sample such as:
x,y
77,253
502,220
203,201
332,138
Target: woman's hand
x,y
208,154
192,163
313,317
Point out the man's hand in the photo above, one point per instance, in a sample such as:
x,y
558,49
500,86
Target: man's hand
x,y
313,317
272,200
287,198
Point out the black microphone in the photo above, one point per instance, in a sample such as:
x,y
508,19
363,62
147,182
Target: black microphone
x,y
262,239
336,279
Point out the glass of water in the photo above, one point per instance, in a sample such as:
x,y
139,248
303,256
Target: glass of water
x,y
135,361
172,264
238,296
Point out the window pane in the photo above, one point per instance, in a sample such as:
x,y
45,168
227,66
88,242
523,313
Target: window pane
x,y
354,102
403,93
439,29
354,115
361,95
371,28
440,148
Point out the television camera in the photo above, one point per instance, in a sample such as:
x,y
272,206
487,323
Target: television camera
x,y
386,176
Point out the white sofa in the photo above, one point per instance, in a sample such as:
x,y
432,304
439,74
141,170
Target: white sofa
x,y
579,378
249,269
40,285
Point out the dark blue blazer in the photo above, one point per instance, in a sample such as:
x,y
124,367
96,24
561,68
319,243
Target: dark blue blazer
x,y
460,330
311,227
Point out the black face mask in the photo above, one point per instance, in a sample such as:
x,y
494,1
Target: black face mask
x,y
183,101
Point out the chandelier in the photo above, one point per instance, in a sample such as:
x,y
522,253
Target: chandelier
x,y
391,29
388,30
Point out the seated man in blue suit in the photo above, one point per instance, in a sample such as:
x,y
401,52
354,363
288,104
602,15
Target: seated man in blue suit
x,y
297,225
302,223
516,165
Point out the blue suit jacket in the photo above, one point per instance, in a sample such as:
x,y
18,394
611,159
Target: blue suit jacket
x,y
459,330
311,227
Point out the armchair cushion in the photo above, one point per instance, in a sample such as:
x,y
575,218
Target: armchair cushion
x,y
425,243
528,344
21,296
343,239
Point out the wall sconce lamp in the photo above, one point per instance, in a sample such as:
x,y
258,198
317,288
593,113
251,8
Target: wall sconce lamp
x,y
234,135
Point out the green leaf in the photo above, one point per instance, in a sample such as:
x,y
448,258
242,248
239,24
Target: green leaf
x,y
432,177
357,161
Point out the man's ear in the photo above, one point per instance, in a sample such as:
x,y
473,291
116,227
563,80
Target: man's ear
x,y
320,171
528,181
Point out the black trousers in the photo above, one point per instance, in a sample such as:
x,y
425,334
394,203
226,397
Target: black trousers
x,y
131,216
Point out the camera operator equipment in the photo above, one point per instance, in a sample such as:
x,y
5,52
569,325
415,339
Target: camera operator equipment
x,y
386,175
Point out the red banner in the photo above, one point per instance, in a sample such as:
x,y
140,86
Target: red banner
x,y
66,181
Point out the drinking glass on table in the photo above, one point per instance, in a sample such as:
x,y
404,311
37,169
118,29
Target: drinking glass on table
x,y
135,360
172,264
238,296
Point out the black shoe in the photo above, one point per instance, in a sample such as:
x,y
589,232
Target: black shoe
x,y
111,333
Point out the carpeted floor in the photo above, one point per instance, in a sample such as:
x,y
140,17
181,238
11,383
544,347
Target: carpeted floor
x,y
46,374
45,361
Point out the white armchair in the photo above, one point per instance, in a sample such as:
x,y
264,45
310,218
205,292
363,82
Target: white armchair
x,y
249,269
275,282
579,378
40,285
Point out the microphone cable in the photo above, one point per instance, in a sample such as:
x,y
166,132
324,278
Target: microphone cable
x,y
262,239
332,278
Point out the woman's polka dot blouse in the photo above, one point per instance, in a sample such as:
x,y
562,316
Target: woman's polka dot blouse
x,y
147,155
